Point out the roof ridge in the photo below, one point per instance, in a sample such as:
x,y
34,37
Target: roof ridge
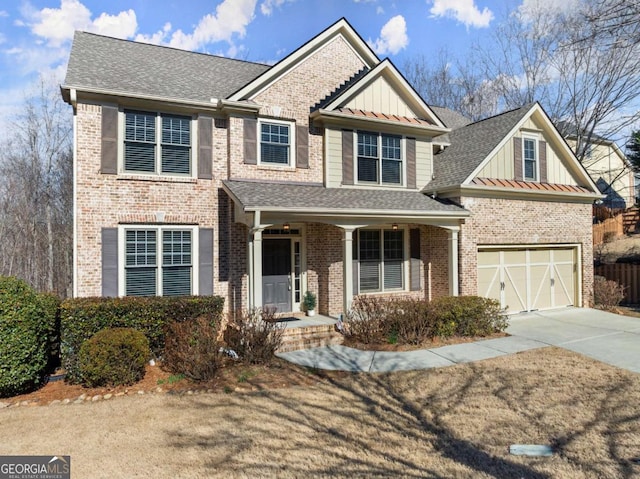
x,y
527,107
167,47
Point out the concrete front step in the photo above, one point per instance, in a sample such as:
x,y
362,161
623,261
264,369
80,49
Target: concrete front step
x,y
295,339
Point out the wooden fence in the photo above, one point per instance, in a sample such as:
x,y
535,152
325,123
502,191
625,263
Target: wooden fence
x,y
613,227
628,275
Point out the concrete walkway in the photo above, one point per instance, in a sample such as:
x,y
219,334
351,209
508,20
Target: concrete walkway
x,y
607,337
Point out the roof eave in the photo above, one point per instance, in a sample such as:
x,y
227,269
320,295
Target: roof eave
x,y
471,190
100,92
332,117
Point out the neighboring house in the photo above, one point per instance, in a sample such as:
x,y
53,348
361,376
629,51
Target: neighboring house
x,y
196,174
608,166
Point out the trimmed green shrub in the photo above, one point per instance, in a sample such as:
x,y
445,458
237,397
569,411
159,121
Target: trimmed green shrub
x,y
27,324
113,357
192,348
466,316
81,318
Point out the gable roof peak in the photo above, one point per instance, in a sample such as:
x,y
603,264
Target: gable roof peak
x,y
340,28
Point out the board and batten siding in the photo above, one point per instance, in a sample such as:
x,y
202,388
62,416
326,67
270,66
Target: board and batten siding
x,y
500,166
424,159
334,157
424,162
380,97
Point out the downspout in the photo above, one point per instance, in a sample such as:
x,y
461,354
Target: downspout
x,y
73,96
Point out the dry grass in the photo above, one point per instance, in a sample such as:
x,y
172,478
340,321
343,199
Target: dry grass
x,y
448,422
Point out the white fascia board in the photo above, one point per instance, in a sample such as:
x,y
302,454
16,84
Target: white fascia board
x,y
341,27
99,92
356,212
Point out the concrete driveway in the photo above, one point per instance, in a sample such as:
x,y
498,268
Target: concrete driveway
x,y
607,337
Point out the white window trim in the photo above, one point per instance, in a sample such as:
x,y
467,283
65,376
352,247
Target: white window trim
x,y
157,173
195,260
405,261
536,142
403,160
292,143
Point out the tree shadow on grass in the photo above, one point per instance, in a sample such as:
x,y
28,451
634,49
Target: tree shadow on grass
x,y
406,424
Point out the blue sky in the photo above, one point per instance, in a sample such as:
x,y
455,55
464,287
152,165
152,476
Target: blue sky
x,y
35,35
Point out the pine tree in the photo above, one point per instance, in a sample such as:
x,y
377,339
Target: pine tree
x,y
633,150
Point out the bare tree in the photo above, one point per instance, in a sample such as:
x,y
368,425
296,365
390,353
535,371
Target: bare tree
x,y
580,63
36,175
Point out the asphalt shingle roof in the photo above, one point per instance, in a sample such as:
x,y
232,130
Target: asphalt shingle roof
x,y
470,145
294,197
123,66
451,119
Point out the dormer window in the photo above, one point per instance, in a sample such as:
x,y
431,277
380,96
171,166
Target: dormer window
x,y
379,158
530,159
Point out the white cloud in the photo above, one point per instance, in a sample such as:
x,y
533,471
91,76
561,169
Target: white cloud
x,y
231,17
379,10
393,37
267,6
156,38
464,11
56,25
4,13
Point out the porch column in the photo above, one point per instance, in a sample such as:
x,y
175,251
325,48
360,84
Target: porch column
x,y
257,268
453,262
347,269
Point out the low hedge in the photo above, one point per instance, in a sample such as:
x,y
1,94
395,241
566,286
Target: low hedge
x,y
113,357
407,320
81,318
27,335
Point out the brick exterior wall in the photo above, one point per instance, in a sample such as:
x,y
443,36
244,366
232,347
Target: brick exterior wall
x,y
512,222
291,99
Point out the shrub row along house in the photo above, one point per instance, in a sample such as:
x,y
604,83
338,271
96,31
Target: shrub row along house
x,y
196,174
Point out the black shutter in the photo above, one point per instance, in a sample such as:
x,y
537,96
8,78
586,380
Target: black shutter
x,y
542,155
517,159
411,163
205,158
205,262
250,142
109,262
109,154
415,262
302,146
347,157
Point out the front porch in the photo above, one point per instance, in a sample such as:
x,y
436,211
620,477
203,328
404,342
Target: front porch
x,y
311,238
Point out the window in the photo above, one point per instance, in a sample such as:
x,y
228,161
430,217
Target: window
x,y
275,143
158,268
530,157
381,260
157,143
379,158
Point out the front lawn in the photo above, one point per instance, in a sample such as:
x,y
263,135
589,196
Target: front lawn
x,y
448,422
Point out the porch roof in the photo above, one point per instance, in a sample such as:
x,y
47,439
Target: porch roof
x,y
317,199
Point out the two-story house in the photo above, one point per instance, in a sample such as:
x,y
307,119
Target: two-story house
x,y
196,174
607,164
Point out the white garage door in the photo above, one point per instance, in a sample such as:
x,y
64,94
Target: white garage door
x,y
526,279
